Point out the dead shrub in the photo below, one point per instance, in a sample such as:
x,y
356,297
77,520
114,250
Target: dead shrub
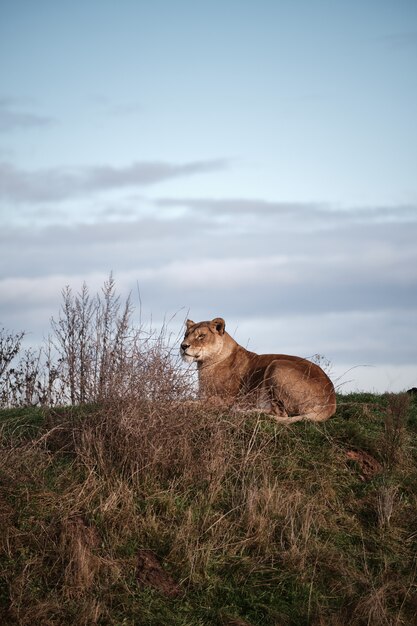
x,y
103,356
95,354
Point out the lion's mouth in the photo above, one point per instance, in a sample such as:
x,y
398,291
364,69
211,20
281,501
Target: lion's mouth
x,y
187,356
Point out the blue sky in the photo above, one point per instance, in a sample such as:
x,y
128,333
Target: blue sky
x,y
255,160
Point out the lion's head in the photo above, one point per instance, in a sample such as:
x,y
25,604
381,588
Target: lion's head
x,y
203,340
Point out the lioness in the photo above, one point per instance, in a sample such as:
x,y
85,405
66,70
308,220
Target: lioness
x,y
289,387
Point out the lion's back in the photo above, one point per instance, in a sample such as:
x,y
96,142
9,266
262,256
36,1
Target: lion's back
x,y
298,367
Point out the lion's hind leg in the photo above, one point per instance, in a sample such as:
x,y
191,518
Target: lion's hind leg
x,y
288,396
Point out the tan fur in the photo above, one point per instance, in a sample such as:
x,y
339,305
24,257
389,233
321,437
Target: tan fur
x,y
289,387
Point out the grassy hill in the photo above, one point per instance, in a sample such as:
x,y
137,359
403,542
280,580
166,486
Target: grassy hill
x,y
165,514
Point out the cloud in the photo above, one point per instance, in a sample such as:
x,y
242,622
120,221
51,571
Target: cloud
x,y
296,278
180,264
368,337
11,118
236,207
259,319
370,259
62,183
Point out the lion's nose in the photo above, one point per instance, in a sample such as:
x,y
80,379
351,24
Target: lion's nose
x,y
184,346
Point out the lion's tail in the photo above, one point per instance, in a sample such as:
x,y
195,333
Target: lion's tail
x,y
313,416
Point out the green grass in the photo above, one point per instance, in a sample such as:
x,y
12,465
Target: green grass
x,y
270,524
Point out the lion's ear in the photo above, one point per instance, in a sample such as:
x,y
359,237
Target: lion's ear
x,y
189,323
219,324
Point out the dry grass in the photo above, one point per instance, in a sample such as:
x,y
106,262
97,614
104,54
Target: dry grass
x,y
252,520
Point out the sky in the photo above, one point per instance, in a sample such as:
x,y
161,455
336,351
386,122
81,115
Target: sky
x,y
250,160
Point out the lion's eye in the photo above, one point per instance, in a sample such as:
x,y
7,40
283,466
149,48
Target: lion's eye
x,y
200,337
